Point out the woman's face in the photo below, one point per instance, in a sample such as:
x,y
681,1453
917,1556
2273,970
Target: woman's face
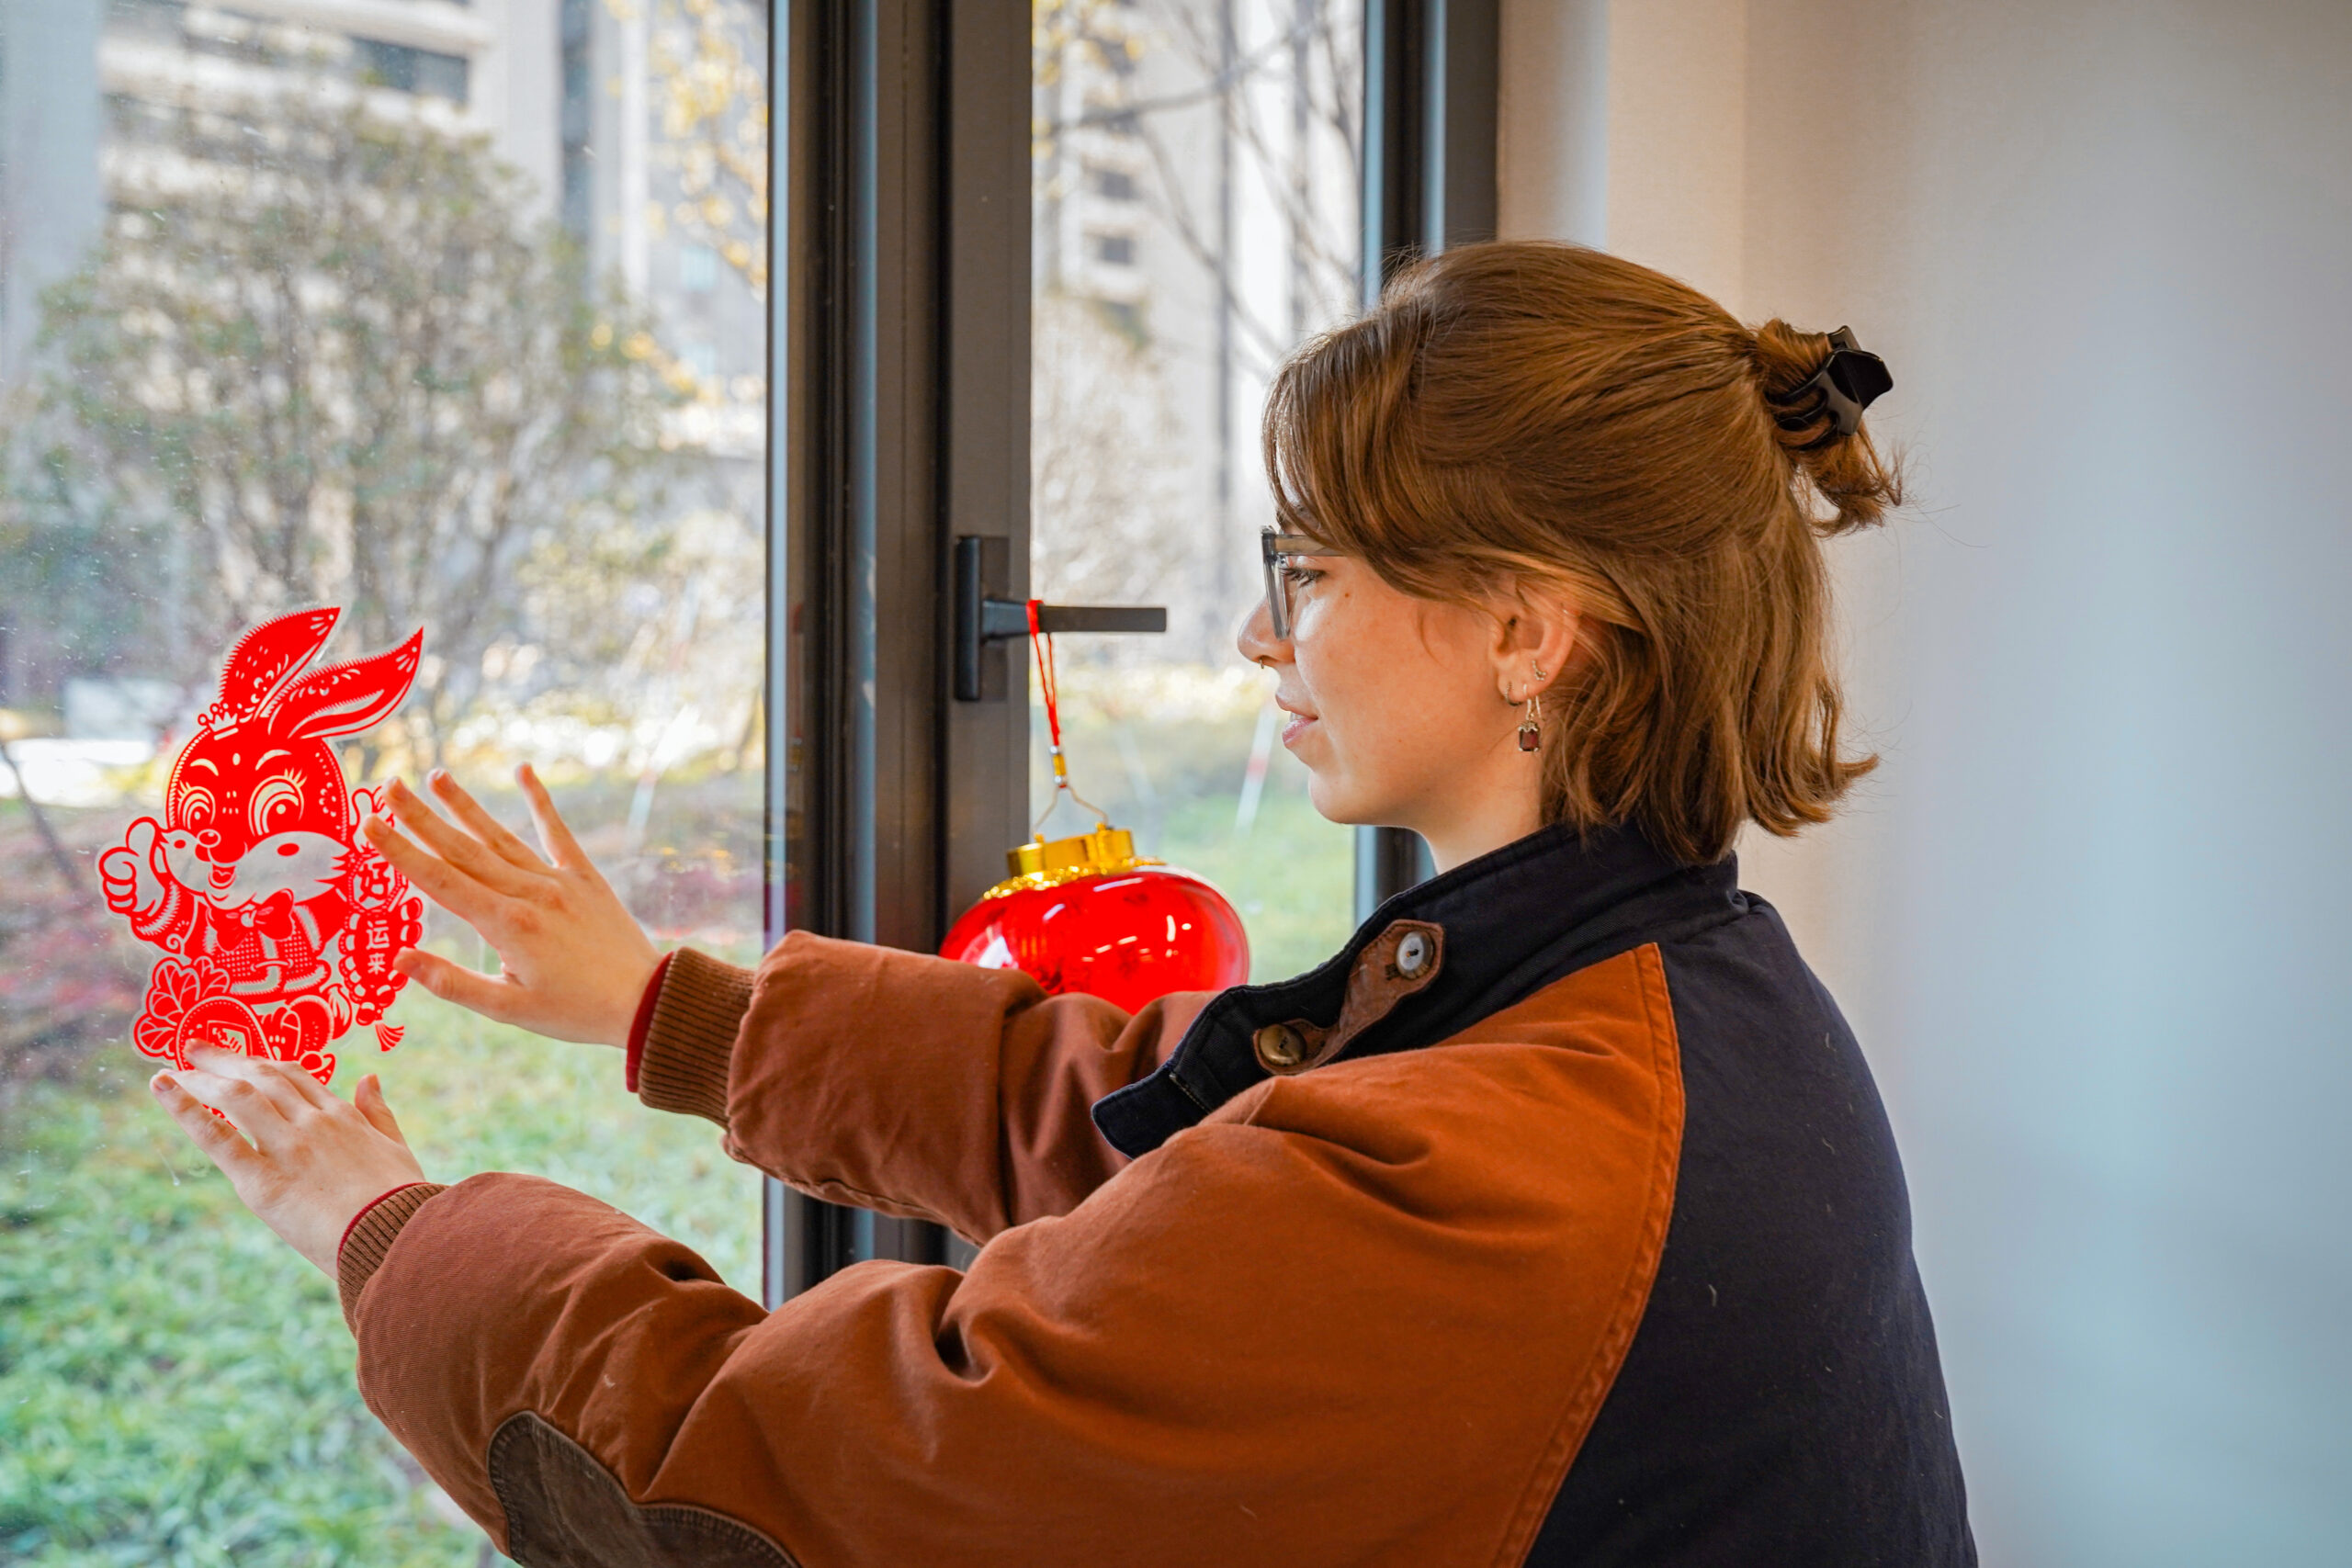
x,y
1398,705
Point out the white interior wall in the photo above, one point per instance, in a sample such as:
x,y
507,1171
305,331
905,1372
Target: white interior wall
x,y
2089,918
1678,96
1552,120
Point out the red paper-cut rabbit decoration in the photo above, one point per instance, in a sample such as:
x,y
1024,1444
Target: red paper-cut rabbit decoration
x,y
279,922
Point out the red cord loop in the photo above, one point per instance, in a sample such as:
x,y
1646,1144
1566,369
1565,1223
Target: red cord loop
x,y
1041,643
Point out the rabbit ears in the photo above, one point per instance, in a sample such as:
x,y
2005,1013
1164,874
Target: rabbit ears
x,y
342,699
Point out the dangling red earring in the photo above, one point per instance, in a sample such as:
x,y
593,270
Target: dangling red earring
x,y
1529,732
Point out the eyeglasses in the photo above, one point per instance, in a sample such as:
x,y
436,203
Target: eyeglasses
x,y
1277,550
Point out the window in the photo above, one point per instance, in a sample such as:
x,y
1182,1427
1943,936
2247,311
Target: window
x,y
1241,231
1111,185
575,124
591,589
410,70
228,398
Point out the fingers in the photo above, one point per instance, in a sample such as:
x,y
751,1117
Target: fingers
x,y
462,896
481,824
310,1090
219,1140
368,1101
461,849
562,847
306,1179
287,1086
493,997
250,1093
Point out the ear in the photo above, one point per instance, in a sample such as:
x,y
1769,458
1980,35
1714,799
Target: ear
x,y
267,658
343,699
1536,629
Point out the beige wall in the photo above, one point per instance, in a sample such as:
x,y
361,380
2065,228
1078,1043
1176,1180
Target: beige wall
x,y
1687,135
1552,120
1677,152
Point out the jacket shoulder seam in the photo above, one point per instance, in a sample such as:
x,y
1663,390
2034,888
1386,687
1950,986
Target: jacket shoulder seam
x,y
1590,1391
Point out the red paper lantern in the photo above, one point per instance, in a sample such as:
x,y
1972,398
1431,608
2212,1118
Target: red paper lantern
x,y
1088,914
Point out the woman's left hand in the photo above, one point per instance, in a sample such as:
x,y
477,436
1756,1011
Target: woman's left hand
x,y
308,1162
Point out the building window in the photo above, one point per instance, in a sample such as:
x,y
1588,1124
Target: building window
x,y
1111,185
574,120
407,70
1125,317
1114,250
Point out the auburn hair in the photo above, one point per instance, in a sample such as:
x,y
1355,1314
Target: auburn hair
x,y
1521,414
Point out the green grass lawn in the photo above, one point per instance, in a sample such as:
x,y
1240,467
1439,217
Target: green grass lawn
x,y
1291,878
176,1385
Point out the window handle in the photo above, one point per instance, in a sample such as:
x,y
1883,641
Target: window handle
x,y
984,616
1002,618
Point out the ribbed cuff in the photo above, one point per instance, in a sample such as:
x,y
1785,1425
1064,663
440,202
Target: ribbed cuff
x,y
690,1044
370,1235
644,1021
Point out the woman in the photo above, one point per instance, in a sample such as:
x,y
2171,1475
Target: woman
x,y
1554,1220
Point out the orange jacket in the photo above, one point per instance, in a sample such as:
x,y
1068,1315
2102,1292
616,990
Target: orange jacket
x,y
1364,1309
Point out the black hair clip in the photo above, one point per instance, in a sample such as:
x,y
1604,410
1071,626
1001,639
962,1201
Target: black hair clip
x,y
1848,382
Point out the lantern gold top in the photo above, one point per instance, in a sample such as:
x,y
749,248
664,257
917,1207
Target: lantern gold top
x,y
1049,862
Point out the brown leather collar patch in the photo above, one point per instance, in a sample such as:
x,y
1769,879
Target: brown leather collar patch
x,y
1393,965
565,1510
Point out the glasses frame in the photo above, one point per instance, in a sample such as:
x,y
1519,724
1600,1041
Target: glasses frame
x,y
1274,550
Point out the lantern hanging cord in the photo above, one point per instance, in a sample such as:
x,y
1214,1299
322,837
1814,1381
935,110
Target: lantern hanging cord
x,y
1041,643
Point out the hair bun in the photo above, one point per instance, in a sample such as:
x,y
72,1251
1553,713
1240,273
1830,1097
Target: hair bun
x,y
1830,447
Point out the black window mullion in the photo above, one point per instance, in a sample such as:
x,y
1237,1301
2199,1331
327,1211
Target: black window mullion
x,y
899,418
1431,69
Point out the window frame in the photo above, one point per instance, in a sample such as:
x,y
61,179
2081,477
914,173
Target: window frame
x,y
898,421
899,411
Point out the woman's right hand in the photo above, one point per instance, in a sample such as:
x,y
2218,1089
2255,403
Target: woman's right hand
x,y
573,962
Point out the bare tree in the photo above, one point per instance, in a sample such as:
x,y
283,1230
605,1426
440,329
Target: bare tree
x,y
1104,492
1308,64
1200,118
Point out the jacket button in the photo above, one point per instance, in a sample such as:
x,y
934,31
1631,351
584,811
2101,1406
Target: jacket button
x,y
1280,1048
1413,954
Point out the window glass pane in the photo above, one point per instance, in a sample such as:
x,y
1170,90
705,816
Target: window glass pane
x,y
1196,197
458,327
